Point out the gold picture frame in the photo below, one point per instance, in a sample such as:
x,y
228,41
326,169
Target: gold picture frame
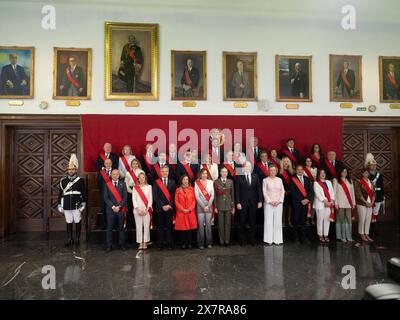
x,y
345,87
23,58
194,86
68,84
388,92
136,45
285,68
247,89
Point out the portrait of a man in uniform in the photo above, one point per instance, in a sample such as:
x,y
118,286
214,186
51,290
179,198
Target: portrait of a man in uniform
x,y
389,76
131,53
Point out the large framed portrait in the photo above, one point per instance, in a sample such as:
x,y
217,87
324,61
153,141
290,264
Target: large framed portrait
x,y
389,79
345,74
240,76
16,72
188,76
72,73
293,76
131,61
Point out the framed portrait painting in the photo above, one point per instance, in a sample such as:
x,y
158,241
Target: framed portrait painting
x,y
239,76
389,79
293,76
16,72
72,73
188,76
345,74
131,61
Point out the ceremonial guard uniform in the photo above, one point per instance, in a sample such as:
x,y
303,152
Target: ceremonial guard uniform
x,y
72,199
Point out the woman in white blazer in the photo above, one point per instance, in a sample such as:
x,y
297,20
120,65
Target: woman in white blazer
x,y
322,206
141,211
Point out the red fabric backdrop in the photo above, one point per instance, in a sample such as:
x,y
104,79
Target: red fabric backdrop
x,y
272,131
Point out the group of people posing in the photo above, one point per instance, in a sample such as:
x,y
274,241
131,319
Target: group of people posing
x,y
189,194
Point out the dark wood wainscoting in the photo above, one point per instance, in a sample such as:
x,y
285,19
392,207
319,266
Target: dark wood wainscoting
x,y
34,151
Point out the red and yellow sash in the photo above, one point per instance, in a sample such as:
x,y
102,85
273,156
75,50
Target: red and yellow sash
x,y
114,192
145,202
263,168
370,195
328,197
316,161
131,53
331,168
102,155
286,177
126,164
346,82
291,156
303,192
347,193
230,169
308,173
164,190
393,81
189,171
206,195
157,168
75,83
147,161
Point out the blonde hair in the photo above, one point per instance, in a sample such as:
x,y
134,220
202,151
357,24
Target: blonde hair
x,y
290,168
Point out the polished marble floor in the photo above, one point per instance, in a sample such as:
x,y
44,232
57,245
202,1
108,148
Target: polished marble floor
x,y
291,271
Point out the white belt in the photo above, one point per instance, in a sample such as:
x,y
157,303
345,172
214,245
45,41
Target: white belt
x,y
71,192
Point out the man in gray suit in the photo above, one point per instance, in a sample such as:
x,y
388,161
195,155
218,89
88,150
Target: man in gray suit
x,y
224,204
240,82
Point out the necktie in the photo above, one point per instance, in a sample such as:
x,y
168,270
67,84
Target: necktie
x,y
333,163
115,184
165,182
302,180
248,179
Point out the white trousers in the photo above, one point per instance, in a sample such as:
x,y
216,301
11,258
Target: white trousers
x,y
273,223
72,216
323,222
142,228
364,219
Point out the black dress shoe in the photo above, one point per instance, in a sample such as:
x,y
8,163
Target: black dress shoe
x,y
189,246
183,247
78,242
69,243
122,247
169,247
108,249
159,248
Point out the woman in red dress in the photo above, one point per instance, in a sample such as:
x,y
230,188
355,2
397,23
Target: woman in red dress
x,y
185,217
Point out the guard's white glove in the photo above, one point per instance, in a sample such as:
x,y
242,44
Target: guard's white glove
x,y
60,209
82,207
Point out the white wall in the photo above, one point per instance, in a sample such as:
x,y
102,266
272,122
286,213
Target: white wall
x,y
307,27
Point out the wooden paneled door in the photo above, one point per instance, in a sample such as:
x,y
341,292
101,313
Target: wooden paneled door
x,y
383,144
40,159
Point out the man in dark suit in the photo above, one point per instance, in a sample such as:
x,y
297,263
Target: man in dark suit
x,y
107,154
101,184
73,81
391,83
261,167
147,160
115,207
184,166
331,165
298,82
346,81
13,78
216,151
156,168
292,153
131,64
248,200
302,194
253,151
190,80
164,206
